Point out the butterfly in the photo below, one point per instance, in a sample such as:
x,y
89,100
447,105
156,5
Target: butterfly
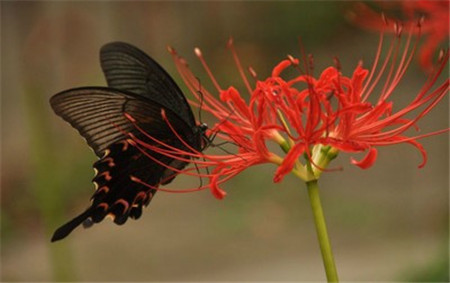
x,y
138,87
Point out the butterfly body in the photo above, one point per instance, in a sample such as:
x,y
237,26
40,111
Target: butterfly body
x,y
142,103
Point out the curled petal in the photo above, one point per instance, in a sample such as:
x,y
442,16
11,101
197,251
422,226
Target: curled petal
x,y
260,144
234,132
328,74
280,68
289,161
359,75
368,160
303,111
427,51
347,146
419,146
356,108
327,77
232,95
217,192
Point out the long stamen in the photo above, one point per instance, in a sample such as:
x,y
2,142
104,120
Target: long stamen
x,y
407,139
239,66
434,76
210,103
403,65
207,69
381,71
182,152
137,180
364,95
441,93
387,82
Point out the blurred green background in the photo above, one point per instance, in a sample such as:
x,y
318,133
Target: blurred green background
x,y
389,223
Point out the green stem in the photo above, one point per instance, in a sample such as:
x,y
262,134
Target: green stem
x,y
322,234
46,184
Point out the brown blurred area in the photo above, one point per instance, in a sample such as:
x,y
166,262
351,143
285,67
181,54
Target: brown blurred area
x,y
388,223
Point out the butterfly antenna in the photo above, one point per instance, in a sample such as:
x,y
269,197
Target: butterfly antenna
x,y
207,169
211,138
199,91
219,146
215,132
198,171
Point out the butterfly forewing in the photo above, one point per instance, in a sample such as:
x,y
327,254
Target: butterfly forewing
x,y
128,68
98,114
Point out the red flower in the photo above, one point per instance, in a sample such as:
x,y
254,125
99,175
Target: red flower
x,y
246,125
354,124
306,116
435,22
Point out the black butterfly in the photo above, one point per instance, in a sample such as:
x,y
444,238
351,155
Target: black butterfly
x,y
140,87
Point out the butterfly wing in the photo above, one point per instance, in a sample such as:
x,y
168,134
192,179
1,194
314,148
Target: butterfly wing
x,y
128,68
98,114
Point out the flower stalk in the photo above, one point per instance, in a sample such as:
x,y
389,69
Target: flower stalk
x,y
322,234
324,155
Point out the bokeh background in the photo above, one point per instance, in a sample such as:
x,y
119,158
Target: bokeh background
x,y
389,223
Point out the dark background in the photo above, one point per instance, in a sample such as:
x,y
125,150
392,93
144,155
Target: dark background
x,y
388,223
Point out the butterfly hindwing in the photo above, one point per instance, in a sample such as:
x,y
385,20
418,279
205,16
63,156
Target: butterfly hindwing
x,y
98,113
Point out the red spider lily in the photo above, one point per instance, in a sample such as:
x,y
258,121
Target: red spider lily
x,y
435,15
354,124
306,116
246,125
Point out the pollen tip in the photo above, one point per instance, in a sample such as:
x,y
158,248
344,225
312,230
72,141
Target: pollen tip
x,y
337,63
311,61
230,42
421,21
198,52
398,28
384,19
135,179
171,50
183,61
129,117
292,59
163,113
252,72
441,55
